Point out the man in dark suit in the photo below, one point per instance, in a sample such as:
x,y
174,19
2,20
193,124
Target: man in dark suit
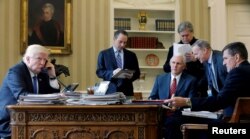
x,y
108,65
18,81
236,85
212,60
163,87
193,66
185,83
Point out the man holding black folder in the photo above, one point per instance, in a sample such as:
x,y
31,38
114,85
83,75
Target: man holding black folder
x,y
116,60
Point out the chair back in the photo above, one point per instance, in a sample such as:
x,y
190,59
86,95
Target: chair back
x,y
241,114
241,110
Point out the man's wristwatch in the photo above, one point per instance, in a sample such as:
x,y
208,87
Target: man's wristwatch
x,y
188,102
52,78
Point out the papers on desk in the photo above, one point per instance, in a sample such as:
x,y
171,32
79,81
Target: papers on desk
x,y
115,98
56,98
201,114
124,73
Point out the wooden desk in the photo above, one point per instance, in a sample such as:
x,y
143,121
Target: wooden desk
x,y
88,122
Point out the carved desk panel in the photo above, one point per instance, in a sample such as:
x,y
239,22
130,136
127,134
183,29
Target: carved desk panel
x,y
84,122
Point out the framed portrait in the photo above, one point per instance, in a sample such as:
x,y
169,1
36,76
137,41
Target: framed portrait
x,y
46,22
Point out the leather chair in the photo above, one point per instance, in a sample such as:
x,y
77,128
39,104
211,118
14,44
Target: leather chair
x,y
241,114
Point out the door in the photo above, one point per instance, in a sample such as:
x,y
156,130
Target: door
x,y
238,20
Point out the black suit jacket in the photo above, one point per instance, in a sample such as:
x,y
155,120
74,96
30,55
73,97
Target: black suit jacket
x,y
236,85
107,64
18,82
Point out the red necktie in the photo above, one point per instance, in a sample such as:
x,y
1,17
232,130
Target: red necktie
x,y
173,87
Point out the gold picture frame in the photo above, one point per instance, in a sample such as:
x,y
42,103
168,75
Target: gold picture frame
x,y
33,16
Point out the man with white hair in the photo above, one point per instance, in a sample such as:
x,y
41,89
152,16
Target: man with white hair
x,y
33,75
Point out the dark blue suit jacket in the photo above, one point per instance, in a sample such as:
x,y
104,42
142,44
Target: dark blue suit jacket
x,y
185,88
18,82
236,85
219,69
107,64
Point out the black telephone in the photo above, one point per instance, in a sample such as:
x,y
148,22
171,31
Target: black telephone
x,y
70,88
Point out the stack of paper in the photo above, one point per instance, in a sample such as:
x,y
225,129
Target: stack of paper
x,y
42,99
201,114
116,98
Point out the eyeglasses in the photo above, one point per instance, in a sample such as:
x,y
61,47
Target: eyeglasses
x,y
40,59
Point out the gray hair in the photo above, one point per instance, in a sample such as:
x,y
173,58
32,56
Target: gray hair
x,y
185,25
50,6
179,55
35,49
202,44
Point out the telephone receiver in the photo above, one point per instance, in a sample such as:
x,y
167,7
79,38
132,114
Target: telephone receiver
x,y
45,68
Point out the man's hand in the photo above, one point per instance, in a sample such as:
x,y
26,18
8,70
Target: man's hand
x,y
177,101
51,69
190,57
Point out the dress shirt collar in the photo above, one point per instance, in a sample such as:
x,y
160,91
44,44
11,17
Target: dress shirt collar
x,y
210,61
115,50
177,77
32,74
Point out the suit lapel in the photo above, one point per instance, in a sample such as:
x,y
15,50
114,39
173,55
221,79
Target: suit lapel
x,y
112,57
168,83
124,58
180,85
215,64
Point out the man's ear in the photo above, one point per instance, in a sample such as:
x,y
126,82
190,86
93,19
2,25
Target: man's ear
x,y
237,57
27,58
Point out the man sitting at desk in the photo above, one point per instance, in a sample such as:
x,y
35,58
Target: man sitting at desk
x,y
236,85
176,82
27,77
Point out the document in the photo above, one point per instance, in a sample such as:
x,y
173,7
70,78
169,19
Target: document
x,y
201,114
102,89
182,48
123,73
56,98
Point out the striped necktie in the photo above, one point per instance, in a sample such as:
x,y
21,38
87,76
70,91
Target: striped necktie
x,y
119,59
173,87
212,77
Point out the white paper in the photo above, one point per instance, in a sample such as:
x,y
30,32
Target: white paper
x,y
182,48
102,89
201,114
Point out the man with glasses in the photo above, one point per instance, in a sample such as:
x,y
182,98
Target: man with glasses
x,y
33,75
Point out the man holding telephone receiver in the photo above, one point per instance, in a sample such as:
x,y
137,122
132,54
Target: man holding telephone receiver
x,y
33,75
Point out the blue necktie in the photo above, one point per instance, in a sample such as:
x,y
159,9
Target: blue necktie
x,y
212,77
119,60
35,84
